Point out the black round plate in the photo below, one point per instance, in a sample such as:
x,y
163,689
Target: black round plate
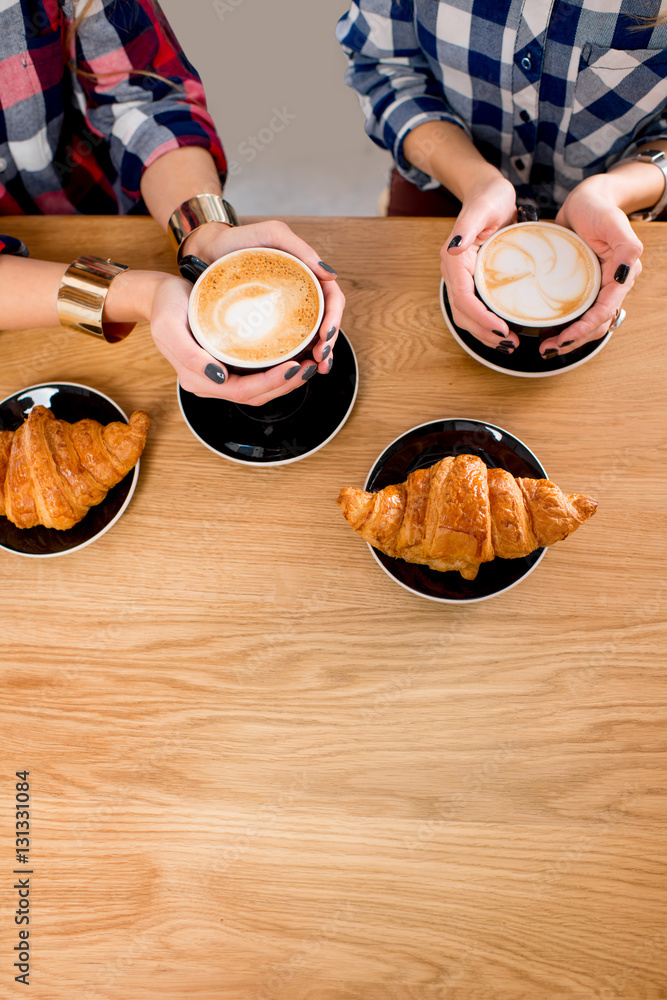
x,y
70,402
285,430
427,444
525,361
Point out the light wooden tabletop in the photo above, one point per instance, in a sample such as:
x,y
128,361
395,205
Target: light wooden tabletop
x,y
260,769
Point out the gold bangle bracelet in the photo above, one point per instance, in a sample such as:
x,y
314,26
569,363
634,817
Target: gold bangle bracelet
x,y
82,294
196,212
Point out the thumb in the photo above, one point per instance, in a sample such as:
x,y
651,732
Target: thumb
x,y
473,226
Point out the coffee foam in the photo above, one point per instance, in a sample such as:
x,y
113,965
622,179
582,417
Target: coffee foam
x,y
536,273
256,306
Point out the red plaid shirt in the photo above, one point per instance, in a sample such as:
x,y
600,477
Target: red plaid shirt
x,y
75,142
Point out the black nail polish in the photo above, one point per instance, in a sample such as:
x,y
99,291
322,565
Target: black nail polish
x,y
215,373
291,372
455,242
550,352
331,333
566,343
326,352
326,267
504,349
309,372
622,271
330,362
499,334
508,343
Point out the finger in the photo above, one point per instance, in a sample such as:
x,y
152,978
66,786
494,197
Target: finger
x,y
253,389
595,323
328,365
278,235
473,226
621,264
334,302
469,312
306,370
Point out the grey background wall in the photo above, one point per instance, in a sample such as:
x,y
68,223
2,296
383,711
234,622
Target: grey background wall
x,y
293,132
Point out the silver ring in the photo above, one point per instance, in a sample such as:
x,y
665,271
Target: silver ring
x,y
618,319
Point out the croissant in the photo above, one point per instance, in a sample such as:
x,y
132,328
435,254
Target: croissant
x,y
52,472
459,514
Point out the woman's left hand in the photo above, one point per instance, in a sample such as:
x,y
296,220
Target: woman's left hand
x,y
590,211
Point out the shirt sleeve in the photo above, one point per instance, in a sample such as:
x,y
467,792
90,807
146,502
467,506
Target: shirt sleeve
x,y
138,91
657,130
9,244
389,71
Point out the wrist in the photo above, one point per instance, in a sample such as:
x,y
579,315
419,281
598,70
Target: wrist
x,y
443,150
631,186
131,295
200,240
486,182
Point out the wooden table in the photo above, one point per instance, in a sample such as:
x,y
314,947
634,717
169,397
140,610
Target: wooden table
x,y
260,769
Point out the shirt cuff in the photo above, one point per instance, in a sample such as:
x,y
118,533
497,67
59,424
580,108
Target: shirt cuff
x,y
644,140
403,120
9,244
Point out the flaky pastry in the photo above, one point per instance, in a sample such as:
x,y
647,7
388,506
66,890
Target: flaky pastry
x,y
52,472
459,514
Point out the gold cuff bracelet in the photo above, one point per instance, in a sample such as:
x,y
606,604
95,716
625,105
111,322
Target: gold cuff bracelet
x,y
196,212
81,296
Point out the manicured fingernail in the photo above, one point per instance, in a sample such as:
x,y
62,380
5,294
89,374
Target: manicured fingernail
x,y
309,372
504,349
456,242
326,352
566,343
291,372
215,373
622,271
550,352
331,362
326,267
499,334
331,333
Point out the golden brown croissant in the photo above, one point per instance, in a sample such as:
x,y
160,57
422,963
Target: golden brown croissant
x,y
458,514
52,472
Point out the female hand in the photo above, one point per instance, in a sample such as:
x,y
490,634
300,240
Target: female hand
x,y
217,239
487,208
197,371
591,211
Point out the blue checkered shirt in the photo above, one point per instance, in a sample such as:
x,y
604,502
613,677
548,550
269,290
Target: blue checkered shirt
x,y
549,92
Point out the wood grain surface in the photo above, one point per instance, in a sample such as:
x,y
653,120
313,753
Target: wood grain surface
x,y
259,769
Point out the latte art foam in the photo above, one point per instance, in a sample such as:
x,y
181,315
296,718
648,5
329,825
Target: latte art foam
x,y
252,311
256,306
536,273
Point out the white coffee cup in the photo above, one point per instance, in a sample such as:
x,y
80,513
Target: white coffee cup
x,y
256,308
537,276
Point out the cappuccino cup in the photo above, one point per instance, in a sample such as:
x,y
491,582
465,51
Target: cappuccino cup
x,y
255,308
537,276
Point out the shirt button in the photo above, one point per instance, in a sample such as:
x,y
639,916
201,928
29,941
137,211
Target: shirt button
x,y
524,116
3,164
519,164
526,62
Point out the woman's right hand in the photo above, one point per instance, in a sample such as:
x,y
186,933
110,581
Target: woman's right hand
x,y
486,208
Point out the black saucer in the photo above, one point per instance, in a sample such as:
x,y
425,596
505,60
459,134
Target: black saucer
x,y
525,361
70,402
286,429
424,446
